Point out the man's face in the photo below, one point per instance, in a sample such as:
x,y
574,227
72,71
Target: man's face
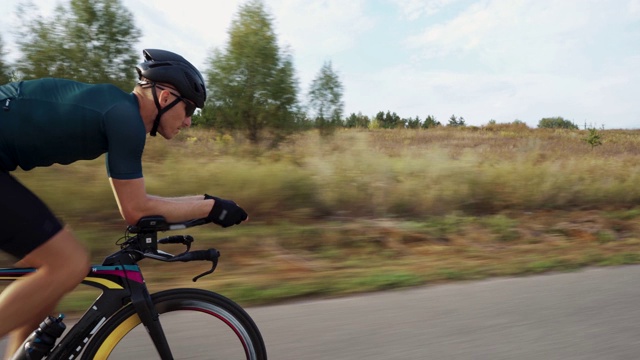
x,y
177,118
173,121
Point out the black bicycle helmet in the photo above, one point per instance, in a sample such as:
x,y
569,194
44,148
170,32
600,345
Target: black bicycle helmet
x,y
162,66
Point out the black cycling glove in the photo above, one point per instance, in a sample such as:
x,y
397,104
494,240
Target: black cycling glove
x,y
225,212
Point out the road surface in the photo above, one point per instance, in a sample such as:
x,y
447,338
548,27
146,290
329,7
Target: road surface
x,y
592,314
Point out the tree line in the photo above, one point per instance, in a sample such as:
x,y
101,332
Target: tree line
x,y
251,82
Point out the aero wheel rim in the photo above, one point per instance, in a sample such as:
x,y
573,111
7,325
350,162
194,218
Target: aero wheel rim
x,y
232,323
193,329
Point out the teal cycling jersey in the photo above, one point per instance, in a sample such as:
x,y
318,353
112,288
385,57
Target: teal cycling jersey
x,y
49,121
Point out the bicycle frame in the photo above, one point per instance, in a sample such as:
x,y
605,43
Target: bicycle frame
x,y
121,282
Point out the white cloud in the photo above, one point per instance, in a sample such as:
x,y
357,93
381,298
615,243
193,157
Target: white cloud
x,y
414,9
536,29
193,33
527,36
634,8
318,31
323,28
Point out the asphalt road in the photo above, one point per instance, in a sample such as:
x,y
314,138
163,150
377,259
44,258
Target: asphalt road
x,y
591,314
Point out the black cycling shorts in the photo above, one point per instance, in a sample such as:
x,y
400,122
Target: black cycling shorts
x,y
25,221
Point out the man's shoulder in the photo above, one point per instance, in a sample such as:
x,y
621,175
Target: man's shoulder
x,y
105,99
71,91
95,92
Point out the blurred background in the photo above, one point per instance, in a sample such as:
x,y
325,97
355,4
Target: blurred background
x,y
384,145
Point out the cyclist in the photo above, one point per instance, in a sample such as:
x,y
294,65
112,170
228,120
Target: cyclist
x,y
49,121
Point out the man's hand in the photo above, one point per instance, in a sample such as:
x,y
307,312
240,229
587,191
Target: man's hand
x,y
225,212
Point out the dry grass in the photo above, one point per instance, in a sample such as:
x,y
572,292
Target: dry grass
x,y
368,210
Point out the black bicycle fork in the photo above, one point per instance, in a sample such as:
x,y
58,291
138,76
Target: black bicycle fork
x,y
141,301
140,298
143,305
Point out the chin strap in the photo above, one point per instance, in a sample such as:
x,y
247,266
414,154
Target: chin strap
x,y
161,110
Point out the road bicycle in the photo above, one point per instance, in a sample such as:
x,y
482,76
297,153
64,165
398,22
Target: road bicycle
x,y
126,322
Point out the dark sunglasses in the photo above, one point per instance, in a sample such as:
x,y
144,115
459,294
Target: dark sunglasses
x,y
189,107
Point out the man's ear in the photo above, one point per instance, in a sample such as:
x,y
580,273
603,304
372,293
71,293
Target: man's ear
x,y
163,97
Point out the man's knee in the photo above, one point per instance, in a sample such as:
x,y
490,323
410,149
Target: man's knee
x,y
77,268
62,257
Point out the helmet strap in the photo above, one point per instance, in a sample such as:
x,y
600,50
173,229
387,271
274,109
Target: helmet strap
x,y
161,110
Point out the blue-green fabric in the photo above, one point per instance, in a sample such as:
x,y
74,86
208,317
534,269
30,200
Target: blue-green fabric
x,y
49,121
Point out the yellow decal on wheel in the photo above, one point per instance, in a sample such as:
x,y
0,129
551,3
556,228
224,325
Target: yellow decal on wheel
x,y
115,336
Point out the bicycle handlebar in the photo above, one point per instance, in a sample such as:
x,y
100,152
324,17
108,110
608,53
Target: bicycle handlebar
x,y
152,224
144,243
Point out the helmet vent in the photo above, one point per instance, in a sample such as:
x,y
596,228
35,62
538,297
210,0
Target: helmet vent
x,y
192,81
156,64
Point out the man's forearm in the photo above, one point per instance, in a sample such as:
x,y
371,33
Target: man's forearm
x,y
180,208
179,199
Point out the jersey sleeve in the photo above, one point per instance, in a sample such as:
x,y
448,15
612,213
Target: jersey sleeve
x,y
126,137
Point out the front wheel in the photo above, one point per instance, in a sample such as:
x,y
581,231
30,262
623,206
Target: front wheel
x,y
198,324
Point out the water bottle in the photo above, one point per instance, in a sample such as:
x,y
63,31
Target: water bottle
x,y
42,340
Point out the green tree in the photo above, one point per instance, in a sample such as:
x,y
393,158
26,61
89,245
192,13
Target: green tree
x,y
594,138
357,121
251,83
557,122
430,122
456,122
325,98
85,40
389,120
5,72
379,119
413,123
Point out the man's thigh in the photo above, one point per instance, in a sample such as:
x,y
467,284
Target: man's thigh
x,y
25,221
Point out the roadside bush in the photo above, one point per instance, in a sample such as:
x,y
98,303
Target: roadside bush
x,y
556,123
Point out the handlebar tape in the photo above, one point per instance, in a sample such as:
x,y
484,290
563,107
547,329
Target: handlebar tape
x,y
209,255
176,239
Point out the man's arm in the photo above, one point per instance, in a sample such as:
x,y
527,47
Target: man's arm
x,y
134,203
178,199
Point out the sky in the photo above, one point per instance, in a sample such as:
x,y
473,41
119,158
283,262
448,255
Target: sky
x,y
482,60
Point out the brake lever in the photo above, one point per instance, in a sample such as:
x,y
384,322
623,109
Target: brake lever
x,y
214,264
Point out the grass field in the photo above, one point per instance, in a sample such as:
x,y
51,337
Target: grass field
x,y
371,210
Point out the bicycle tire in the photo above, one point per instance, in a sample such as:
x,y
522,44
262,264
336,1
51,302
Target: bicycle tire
x,y
228,317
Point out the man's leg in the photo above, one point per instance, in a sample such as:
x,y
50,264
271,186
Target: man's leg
x,y
62,263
